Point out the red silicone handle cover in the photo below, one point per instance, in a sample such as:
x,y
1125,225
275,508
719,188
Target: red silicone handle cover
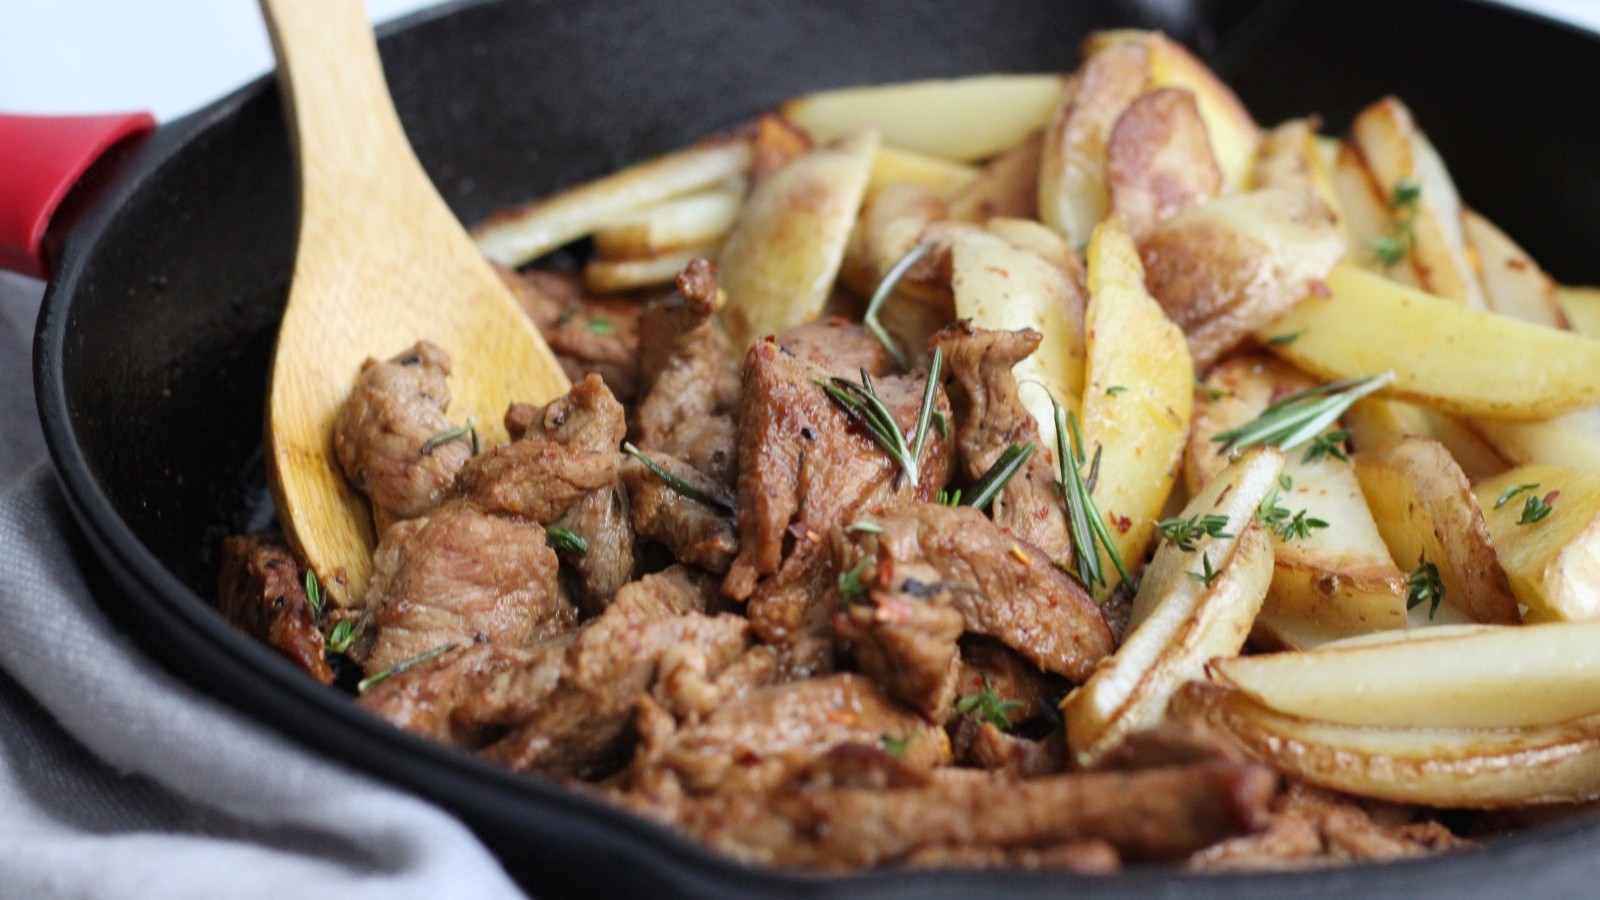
x,y
41,158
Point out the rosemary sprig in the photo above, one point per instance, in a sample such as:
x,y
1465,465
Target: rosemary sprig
x,y
1300,416
994,480
566,540
1535,509
987,706
1508,493
1184,532
885,288
1206,575
1424,586
1329,443
1084,522
676,483
367,684
861,402
470,429
313,592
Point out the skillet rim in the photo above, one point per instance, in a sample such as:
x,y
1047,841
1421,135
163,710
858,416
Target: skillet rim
x,y
269,690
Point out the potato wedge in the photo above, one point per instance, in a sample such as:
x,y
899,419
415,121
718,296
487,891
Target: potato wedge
x,y
1073,196
521,235
1170,647
893,220
1290,159
671,226
1366,218
1234,135
1008,185
1396,150
1029,235
1553,563
1581,308
1226,268
942,177
1513,284
1505,677
607,276
1375,421
1436,350
1571,440
999,285
1477,768
1338,579
1159,161
961,119
1138,393
783,254
1425,509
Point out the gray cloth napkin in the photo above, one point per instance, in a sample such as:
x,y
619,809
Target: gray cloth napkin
x,y
117,780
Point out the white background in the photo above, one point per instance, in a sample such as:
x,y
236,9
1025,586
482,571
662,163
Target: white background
x,y
173,56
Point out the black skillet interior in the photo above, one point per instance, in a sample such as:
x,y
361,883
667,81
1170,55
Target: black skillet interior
x,y
153,347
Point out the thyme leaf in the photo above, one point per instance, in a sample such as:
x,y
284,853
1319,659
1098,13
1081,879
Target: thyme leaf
x,y
1329,443
1206,575
1508,493
987,706
1184,532
1423,585
1535,509
850,584
1280,521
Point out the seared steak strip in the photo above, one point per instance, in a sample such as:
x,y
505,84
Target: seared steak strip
x,y
908,645
694,532
589,335
468,696
260,589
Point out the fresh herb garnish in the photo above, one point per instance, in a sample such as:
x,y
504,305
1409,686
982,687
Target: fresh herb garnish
x,y
1287,526
676,483
1084,521
896,746
1211,393
948,498
566,540
342,636
864,526
1424,586
313,592
861,402
1114,390
1206,575
1282,340
1300,416
1329,443
470,429
601,327
850,584
993,481
1184,532
884,289
1401,239
1535,509
367,684
1508,493
987,706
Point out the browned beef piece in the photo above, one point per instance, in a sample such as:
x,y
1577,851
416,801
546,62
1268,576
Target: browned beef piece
x,y
1156,814
589,335
793,609
694,532
581,729
987,664
763,738
260,590
983,746
840,346
386,423
459,575
1310,827
1091,857
689,687
471,695
1004,588
804,464
689,385
906,644
1172,743
562,471
980,362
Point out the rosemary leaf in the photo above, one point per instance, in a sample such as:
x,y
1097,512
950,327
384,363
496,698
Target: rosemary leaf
x,y
885,288
1423,585
342,636
676,483
470,429
367,684
313,592
994,480
1535,509
861,402
1508,493
987,706
1084,522
566,540
1301,416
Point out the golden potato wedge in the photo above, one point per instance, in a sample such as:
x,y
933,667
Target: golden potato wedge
x,y
517,236
1159,161
999,285
942,177
1513,284
1036,238
1476,768
1396,150
1425,509
1505,677
1581,308
607,276
1130,690
1366,218
1553,560
780,260
1073,196
1339,579
1290,158
961,119
1226,268
1234,135
893,220
1008,185
1437,350
1571,440
1375,421
1138,393
671,226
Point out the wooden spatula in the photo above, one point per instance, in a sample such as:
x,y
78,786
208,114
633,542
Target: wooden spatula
x,y
382,263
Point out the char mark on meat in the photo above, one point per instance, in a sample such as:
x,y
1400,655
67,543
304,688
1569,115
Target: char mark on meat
x,y
1004,588
459,575
980,363
386,424
260,590
589,335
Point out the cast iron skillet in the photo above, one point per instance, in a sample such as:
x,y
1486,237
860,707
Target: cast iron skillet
x,y
154,341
